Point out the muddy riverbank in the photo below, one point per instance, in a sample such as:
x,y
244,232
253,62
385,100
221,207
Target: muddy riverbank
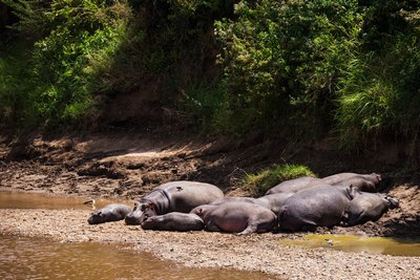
x,y
259,252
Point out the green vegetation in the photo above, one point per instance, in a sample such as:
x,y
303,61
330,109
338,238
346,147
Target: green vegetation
x,y
257,184
305,69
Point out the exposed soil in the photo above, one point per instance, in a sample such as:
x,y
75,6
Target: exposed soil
x,y
127,165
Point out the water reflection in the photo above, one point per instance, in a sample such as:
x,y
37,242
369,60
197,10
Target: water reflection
x,y
21,200
378,245
28,258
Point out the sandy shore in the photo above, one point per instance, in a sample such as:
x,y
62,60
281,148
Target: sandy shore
x,y
261,252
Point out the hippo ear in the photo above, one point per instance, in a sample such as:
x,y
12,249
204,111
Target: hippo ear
x,y
352,191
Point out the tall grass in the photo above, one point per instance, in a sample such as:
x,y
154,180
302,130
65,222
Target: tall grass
x,y
258,183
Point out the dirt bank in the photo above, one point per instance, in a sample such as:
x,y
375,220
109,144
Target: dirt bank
x,y
261,252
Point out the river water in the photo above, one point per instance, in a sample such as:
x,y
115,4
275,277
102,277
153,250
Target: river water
x,y
32,258
354,243
36,258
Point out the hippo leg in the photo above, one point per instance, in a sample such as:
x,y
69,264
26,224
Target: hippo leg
x,y
358,219
251,228
211,226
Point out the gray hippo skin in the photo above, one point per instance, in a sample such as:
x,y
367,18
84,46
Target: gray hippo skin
x,y
362,182
317,206
237,216
369,207
295,185
110,213
177,196
234,199
175,221
274,201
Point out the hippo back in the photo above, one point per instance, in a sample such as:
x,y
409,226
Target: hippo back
x,y
317,206
274,201
186,195
295,185
363,182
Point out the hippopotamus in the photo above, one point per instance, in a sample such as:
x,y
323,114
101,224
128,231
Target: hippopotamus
x,y
317,206
362,182
110,213
176,196
236,216
273,201
174,221
369,207
295,185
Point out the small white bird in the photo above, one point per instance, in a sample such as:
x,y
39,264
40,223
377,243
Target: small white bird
x,y
91,202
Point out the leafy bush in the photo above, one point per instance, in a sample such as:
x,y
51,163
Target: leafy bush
x,y
259,183
379,95
282,60
71,37
15,102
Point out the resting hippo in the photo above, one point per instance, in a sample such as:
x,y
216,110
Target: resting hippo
x,y
110,213
274,201
295,185
177,196
236,216
174,221
369,207
317,206
234,199
362,182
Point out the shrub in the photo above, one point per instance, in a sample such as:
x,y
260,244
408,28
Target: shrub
x,y
73,43
379,95
282,61
259,183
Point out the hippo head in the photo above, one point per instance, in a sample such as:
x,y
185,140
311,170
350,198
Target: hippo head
x,y
97,217
140,212
392,202
377,178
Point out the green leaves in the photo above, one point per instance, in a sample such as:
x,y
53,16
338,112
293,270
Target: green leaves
x,y
286,55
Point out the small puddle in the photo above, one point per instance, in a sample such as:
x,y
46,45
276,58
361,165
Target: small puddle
x,y
353,243
21,200
33,258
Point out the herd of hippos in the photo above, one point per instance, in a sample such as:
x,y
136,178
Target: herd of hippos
x,y
301,204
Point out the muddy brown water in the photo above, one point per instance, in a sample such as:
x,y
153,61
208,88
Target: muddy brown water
x,y
32,258
354,243
22,200
37,258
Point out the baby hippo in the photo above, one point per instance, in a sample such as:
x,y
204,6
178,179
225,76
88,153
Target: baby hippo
x,y
175,221
110,213
236,216
369,207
